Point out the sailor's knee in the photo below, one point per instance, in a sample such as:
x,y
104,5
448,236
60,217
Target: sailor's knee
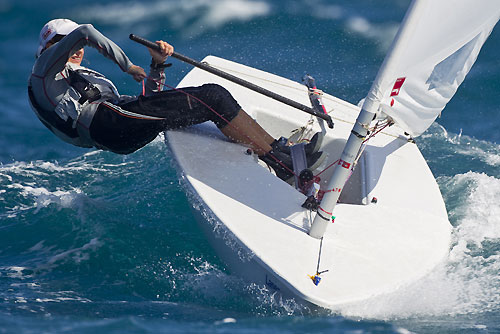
x,y
216,91
223,102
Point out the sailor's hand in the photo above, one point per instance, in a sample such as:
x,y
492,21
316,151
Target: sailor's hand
x,y
137,73
166,50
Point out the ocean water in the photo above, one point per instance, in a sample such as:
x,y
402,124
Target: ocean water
x,y
92,242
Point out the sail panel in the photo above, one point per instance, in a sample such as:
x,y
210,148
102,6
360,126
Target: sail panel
x,y
435,48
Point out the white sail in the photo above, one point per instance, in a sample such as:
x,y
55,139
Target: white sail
x,y
437,44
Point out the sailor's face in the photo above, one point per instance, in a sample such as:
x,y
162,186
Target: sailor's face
x,y
77,57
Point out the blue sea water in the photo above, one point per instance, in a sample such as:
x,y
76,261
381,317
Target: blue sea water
x,y
92,242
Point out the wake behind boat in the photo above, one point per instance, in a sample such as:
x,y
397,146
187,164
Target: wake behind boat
x,y
381,225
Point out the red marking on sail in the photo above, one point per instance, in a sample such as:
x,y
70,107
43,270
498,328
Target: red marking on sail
x,y
397,86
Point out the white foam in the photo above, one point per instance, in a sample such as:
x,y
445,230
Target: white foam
x,y
403,331
23,185
43,197
481,212
225,321
53,297
28,285
6,176
42,168
20,300
62,299
208,280
39,246
485,151
489,155
14,271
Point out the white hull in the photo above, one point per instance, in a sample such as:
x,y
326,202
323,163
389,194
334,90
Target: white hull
x,y
256,221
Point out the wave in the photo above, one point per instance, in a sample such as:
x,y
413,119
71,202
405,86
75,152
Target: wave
x,y
450,154
485,151
39,184
95,228
352,21
195,17
381,34
192,17
66,218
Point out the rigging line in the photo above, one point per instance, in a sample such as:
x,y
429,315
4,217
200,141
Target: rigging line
x,y
378,128
333,163
319,255
319,258
221,117
374,131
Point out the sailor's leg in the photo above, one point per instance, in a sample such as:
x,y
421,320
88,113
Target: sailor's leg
x,y
243,129
255,127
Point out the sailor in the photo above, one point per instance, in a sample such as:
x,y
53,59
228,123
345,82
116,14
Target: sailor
x,y
84,108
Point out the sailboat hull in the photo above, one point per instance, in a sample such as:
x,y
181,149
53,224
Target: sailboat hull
x,y
257,225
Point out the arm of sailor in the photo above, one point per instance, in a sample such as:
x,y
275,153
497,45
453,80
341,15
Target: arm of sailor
x,y
137,73
156,78
54,58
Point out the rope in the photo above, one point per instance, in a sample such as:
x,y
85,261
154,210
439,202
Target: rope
x,y
319,258
332,164
378,128
316,278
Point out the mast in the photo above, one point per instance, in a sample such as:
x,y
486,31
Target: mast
x,y
341,174
360,129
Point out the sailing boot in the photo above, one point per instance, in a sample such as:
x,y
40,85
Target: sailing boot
x,y
284,168
310,148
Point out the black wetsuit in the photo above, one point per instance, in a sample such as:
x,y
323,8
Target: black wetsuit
x,y
115,122
119,131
